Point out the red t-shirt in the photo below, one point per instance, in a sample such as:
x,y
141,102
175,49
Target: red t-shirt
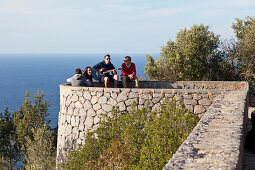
x,y
128,70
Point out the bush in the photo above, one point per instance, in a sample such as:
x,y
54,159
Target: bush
x,y
140,138
193,56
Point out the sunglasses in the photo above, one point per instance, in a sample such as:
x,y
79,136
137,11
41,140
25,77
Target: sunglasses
x,y
108,58
125,60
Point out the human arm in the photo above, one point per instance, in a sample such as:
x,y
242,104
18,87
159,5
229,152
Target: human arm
x,y
123,71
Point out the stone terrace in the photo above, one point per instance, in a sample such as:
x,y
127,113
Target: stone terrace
x,y
80,109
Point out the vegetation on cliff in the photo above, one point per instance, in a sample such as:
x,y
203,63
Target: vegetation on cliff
x,y
140,138
26,136
199,54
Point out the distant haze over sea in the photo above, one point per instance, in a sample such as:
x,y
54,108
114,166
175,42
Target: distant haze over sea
x,y
21,73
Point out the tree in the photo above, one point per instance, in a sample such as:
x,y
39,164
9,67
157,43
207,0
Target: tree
x,y
9,147
40,152
30,116
193,56
245,48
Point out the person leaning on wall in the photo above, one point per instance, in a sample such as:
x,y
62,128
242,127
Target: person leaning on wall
x,y
128,72
78,79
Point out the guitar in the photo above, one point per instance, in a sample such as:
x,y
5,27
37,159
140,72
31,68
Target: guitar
x,y
97,75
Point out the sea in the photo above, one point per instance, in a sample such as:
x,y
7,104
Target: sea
x,y
22,73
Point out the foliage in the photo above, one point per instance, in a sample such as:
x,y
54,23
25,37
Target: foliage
x,y
193,56
40,152
140,138
245,48
30,116
9,148
27,136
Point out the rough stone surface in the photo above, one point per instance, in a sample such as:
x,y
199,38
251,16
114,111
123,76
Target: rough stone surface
x,y
199,109
81,107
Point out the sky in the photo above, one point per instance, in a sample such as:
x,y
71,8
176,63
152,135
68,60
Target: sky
x,y
110,26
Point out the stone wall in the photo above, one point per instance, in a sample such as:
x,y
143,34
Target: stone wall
x,y
217,141
80,107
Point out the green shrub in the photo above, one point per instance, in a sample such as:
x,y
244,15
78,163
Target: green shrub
x,y
140,138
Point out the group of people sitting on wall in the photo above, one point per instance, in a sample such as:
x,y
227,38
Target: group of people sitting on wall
x,y
105,72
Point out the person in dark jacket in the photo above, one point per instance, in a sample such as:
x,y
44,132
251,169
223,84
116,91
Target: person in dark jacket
x,y
105,66
78,79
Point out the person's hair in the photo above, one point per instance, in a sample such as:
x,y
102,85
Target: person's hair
x,y
78,71
107,55
128,58
85,74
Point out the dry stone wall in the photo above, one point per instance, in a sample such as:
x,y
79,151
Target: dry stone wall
x,y
81,107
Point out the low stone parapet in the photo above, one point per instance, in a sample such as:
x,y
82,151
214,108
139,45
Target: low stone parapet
x,y
218,139
81,107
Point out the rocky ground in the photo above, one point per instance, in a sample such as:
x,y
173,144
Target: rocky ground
x,y
249,157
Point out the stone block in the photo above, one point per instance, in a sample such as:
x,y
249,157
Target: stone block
x,y
96,106
68,102
205,102
73,120
107,95
122,106
99,94
79,94
74,97
82,120
77,121
141,101
68,130
78,105
82,100
199,109
91,112
158,95
112,102
87,105
89,122
197,97
94,100
102,100
190,102
114,95
122,97
83,112
82,135
156,100
96,119
130,101
187,96
68,119
106,107
133,95
70,110
145,96
169,95
76,111
87,95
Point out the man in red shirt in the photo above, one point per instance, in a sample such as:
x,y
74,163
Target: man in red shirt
x,y
128,72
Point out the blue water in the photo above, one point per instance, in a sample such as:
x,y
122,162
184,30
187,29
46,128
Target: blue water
x,y
21,73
